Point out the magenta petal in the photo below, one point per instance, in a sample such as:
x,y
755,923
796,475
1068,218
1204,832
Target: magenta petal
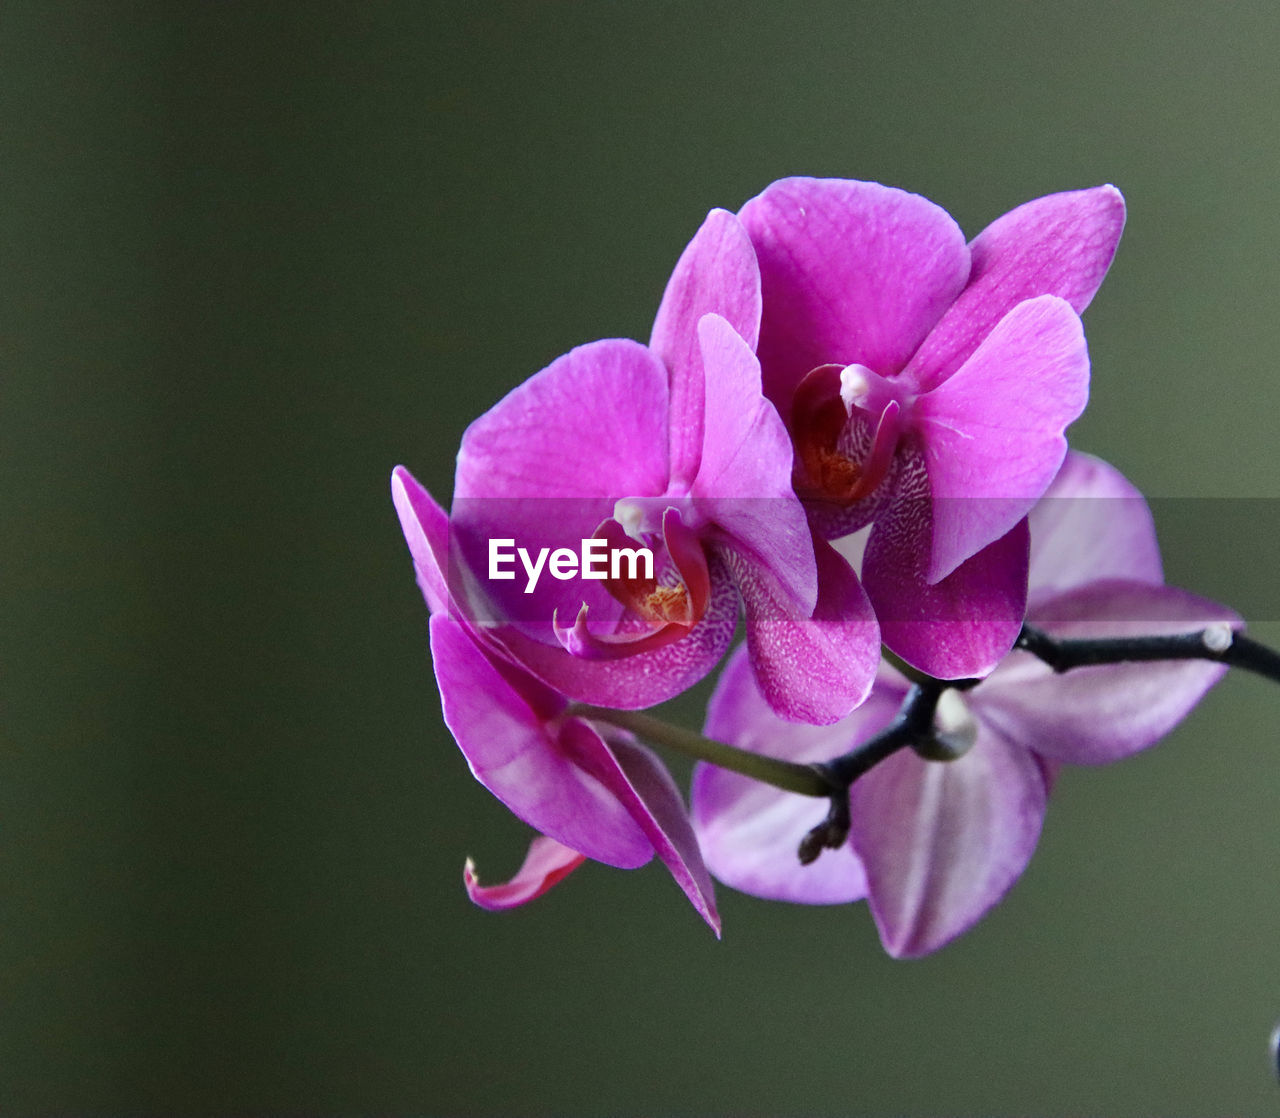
x,y
592,423
1058,245
961,626
813,668
546,864
750,832
852,272
512,752
642,784
645,678
1091,524
744,484
1090,716
716,273
942,842
993,434
426,530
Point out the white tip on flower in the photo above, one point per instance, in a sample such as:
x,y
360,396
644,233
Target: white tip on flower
x,y
956,730
855,386
1218,638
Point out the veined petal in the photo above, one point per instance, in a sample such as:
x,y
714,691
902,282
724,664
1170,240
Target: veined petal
x,y
1060,245
645,788
851,272
750,832
546,864
958,627
942,842
643,679
744,484
811,668
1090,716
513,753
716,273
1091,524
993,434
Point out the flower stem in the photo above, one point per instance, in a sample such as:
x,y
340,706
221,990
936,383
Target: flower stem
x,y
808,780
1218,643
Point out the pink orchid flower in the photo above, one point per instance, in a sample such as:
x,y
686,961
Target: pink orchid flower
x,y
927,385
589,789
935,845
674,447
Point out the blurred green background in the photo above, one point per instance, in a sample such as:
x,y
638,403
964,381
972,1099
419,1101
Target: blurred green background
x,y
254,255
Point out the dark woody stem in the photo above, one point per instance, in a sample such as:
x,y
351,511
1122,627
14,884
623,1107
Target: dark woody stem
x,y
1218,643
913,725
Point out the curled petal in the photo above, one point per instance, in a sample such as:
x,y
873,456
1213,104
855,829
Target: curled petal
x,y
993,434
1093,715
1061,245
852,272
812,668
547,864
964,624
943,842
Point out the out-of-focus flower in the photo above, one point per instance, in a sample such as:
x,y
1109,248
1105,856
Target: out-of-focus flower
x,y
934,845
674,447
927,384
589,788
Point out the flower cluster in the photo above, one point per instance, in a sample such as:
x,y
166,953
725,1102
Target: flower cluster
x,y
847,430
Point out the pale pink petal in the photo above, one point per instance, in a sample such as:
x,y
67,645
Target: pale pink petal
x,y
961,626
644,787
851,272
813,668
1091,524
547,864
1060,245
1090,716
750,832
512,753
744,484
716,273
942,842
993,434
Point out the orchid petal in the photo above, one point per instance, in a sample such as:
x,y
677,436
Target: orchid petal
x,y
640,680
512,751
813,668
426,530
1060,245
1091,524
942,842
749,831
716,272
1093,715
644,787
961,626
545,465
852,272
992,434
744,484
546,864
